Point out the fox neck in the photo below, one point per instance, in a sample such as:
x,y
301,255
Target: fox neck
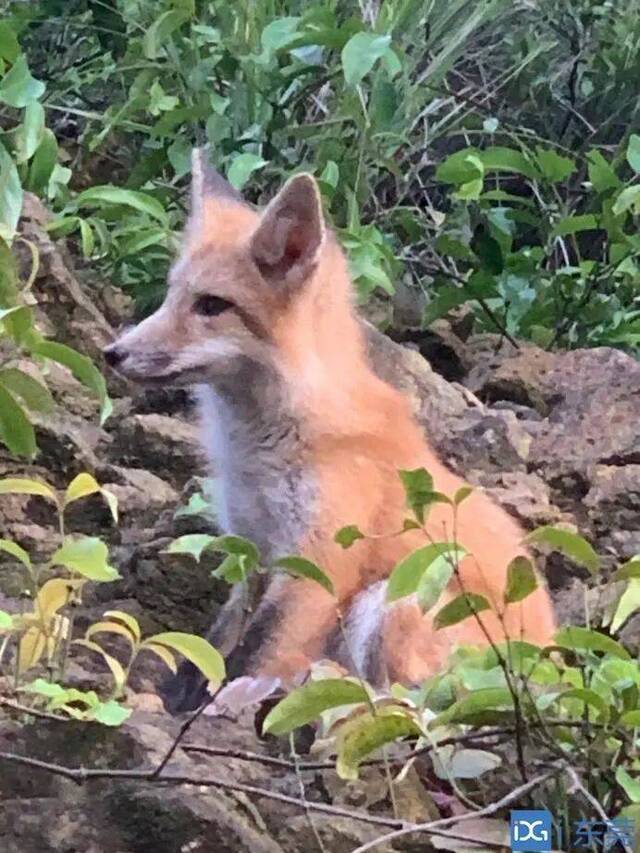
x,y
264,482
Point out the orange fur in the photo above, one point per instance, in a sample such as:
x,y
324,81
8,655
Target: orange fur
x,y
294,312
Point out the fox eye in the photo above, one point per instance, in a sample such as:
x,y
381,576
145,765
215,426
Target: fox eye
x,y
208,305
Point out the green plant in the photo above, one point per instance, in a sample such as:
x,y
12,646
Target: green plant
x,y
543,244
571,705
41,638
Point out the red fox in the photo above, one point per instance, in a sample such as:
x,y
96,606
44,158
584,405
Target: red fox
x,y
305,439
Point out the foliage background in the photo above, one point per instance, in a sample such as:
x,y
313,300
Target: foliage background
x,y
372,97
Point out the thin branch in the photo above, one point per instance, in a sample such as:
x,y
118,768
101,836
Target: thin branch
x,y
578,786
432,825
80,775
24,709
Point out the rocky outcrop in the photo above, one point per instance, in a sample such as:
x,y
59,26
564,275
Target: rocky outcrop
x,y
553,436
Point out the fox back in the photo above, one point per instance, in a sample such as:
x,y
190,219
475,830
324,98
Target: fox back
x,y
304,439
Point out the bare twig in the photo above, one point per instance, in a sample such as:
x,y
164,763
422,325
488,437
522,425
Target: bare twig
x,y
432,825
10,705
303,795
578,786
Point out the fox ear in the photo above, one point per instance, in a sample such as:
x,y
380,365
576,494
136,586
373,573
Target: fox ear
x,y
207,182
287,243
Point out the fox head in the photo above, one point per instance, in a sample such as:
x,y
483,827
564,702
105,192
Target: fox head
x,y
250,288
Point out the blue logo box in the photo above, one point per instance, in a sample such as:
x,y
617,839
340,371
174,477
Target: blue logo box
x,y
531,831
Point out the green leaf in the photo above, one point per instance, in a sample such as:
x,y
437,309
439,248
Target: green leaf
x,y
193,543
499,159
488,250
346,536
588,697
45,688
476,703
628,198
440,303
18,87
360,54
9,47
570,544
434,581
303,568
6,621
407,574
15,428
43,163
601,174
160,30
521,580
465,605
630,569
107,194
305,704
111,713
628,605
86,556
633,152
586,640
630,786
462,494
34,394
279,33
362,735
196,649
197,505
10,195
20,486
554,167
575,225
242,167
30,132
631,719
82,368
418,487
16,551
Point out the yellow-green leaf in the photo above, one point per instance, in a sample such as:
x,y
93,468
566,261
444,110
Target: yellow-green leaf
x,y
55,594
34,394
87,557
19,486
16,430
521,580
30,649
163,654
80,487
568,543
476,703
112,503
110,628
196,649
6,621
587,640
130,621
406,576
307,703
16,551
367,732
303,568
463,606
114,665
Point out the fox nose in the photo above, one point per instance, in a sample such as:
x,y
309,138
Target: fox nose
x,y
114,355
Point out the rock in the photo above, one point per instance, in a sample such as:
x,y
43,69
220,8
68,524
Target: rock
x,y
158,443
